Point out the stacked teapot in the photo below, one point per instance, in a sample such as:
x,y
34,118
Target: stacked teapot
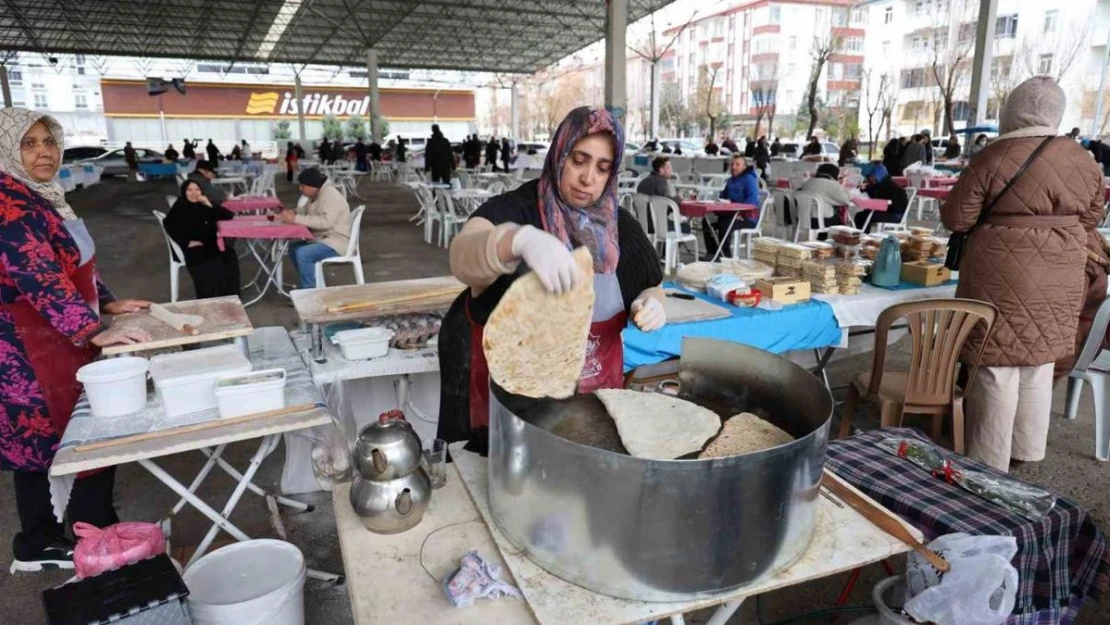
x,y
392,489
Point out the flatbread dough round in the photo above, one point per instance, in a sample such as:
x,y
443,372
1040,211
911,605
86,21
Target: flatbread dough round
x,y
744,434
658,426
535,341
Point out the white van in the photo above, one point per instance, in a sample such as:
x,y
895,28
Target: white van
x,y
414,141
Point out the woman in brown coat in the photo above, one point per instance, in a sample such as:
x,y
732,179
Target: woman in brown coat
x,y
1028,259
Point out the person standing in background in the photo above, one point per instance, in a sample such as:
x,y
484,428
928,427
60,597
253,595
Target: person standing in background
x,y
323,151
291,159
213,151
927,142
491,153
762,156
132,161
401,149
375,150
439,159
360,155
506,153
776,147
711,148
171,154
189,151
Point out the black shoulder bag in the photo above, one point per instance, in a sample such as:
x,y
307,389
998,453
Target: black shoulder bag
x,y
957,242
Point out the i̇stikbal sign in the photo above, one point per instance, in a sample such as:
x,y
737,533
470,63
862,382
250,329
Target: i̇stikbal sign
x,y
273,103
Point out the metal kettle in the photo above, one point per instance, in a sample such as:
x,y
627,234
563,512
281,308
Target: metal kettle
x,y
394,505
388,449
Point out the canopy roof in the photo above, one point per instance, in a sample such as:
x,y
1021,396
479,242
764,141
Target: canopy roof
x,y
475,35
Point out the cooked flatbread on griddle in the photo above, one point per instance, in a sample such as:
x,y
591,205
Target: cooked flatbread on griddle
x,y
535,341
744,434
658,426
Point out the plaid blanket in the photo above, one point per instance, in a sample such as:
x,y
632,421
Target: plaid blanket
x,y
1062,559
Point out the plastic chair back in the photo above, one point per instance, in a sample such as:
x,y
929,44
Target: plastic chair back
x,y
356,225
939,328
641,208
1093,345
171,200
176,255
660,206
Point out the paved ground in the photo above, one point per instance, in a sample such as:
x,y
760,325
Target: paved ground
x,y
132,257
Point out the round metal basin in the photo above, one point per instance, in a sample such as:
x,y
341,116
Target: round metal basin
x,y
565,493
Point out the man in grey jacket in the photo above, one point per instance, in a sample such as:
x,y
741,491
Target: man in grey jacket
x,y
914,152
658,182
328,215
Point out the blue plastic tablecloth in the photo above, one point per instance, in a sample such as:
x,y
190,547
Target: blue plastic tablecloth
x,y
167,170
809,325
908,286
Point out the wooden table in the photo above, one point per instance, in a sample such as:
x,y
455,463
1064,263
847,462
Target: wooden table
x,y
387,584
224,318
382,298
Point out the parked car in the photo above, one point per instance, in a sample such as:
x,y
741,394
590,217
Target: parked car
x,y
115,164
688,146
792,151
82,152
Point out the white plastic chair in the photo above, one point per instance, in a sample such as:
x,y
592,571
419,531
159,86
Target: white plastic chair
x,y
783,199
444,213
668,230
810,207
766,205
171,200
175,252
1093,365
900,226
352,256
496,187
641,208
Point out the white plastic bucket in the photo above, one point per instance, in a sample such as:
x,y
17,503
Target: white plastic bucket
x,y
255,582
115,386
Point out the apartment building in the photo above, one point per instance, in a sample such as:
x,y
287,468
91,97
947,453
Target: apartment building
x,y
760,53
925,47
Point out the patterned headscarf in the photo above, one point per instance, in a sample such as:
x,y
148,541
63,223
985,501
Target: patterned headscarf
x,y
594,226
14,123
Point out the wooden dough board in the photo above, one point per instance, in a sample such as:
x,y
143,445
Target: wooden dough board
x,y
312,304
684,310
224,318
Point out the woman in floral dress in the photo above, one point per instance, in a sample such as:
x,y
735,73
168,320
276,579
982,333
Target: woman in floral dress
x,y
51,298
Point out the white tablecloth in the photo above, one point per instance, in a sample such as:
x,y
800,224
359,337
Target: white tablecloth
x,y
863,310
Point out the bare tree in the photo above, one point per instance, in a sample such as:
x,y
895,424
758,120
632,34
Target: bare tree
x,y
952,51
878,101
653,49
825,44
708,101
765,88
1055,54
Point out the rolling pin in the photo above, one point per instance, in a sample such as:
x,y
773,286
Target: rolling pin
x,y
178,321
404,299
882,519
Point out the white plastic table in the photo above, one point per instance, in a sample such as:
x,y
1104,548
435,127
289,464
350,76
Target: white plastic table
x,y
269,348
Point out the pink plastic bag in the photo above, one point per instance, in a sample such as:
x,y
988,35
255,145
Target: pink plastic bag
x,y
100,550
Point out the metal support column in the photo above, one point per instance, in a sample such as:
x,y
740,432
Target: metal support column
x,y
514,111
1095,123
299,93
375,105
655,84
616,24
5,88
981,65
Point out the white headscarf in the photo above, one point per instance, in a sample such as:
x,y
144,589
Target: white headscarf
x,y
14,124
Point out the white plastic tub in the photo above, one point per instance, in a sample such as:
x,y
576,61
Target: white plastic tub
x,y
115,386
186,381
372,342
250,393
254,582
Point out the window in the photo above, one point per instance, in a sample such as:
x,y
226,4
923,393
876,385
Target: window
x,y
888,15
1006,27
835,71
1050,19
853,71
918,43
913,78
886,49
775,16
1044,65
40,101
790,69
919,8
820,15
37,83
967,32
840,17
238,68
961,111
80,101
15,76
1000,67
859,17
853,44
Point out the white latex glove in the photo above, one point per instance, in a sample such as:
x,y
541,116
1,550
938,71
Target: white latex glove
x,y
648,313
548,257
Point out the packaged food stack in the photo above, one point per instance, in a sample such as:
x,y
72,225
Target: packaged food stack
x,y
821,249
850,274
790,259
920,247
869,246
821,275
766,250
940,247
846,242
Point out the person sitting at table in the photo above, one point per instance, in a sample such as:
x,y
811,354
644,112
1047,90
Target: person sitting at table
x,y
742,187
534,228
711,148
913,152
191,223
952,150
204,174
327,215
171,154
977,147
881,186
51,304
658,184
825,184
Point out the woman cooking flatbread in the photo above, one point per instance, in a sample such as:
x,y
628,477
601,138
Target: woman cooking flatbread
x,y
573,203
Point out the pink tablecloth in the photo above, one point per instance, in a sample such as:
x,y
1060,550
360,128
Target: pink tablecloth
x,y
260,228
783,183
940,181
871,204
937,193
1108,194
252,204
901,181
692,208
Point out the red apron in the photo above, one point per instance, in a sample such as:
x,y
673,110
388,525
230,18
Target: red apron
x,y
53,357
604,366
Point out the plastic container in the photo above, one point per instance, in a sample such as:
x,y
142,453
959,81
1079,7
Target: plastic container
x,y
250,393
115,386
372,342
253,582
186,381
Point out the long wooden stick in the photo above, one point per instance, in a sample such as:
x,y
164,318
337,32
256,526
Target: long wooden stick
x,y
882,519
188,429
404,299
